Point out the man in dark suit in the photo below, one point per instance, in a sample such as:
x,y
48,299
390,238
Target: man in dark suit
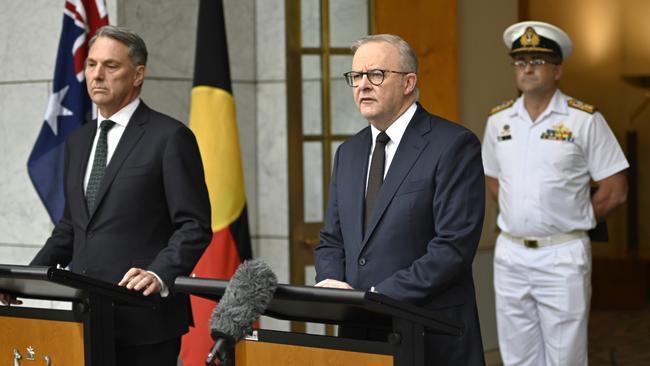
x,y
144,219
406,202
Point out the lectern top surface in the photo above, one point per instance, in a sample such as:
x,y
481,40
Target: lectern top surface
x,y
33,282
50,283
325,305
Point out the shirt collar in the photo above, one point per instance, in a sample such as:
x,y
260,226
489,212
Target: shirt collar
x,y
558,104
396,130
121,117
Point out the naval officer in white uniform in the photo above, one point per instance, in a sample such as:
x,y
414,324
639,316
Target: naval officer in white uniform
x,y
540,153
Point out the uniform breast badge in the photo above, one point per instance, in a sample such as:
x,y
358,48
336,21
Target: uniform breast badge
x,y
558,132
505,133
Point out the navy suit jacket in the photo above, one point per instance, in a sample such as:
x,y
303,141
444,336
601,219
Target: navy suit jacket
x,y
152,212
424,230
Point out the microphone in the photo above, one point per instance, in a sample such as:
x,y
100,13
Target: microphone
x,y
246,297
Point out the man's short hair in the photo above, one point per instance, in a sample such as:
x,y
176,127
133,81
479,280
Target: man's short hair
x,y
408,58
137,49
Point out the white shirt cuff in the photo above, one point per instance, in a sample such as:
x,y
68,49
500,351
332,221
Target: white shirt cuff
x,y
164,291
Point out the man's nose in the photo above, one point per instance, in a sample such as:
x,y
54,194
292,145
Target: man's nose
x,y
365,83
96,72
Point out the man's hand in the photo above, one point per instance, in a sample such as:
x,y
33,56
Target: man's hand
x,y
139,279
334,284
7,299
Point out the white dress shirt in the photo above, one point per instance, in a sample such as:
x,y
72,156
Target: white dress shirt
x,y
121,119
395,131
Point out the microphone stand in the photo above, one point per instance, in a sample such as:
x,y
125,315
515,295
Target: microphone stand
x,y
223,350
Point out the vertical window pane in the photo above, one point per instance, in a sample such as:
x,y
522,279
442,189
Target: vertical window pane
x,y
313,181
312,104
348,21
311,67
311,107
310,23
346,118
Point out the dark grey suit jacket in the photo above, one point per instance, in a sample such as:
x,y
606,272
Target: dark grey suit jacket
x,y
152,212
423,233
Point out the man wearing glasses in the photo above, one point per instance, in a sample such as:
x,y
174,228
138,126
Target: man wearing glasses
x,y
406,203
540,153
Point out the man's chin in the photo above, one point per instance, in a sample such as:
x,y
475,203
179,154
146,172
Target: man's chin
x,y
98,99
367,111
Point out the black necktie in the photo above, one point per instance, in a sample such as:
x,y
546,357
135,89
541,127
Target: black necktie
x,y
376,175
99,165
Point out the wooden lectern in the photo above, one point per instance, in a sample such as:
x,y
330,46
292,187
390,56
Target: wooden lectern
x,y
405,325
81,336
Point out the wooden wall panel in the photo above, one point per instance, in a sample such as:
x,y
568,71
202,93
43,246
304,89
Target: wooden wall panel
x,y
430,27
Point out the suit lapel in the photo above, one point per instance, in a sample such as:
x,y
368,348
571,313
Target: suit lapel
x,y
360,155
408,151
129,139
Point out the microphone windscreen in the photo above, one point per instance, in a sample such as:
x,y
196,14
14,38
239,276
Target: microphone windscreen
x,y
248,294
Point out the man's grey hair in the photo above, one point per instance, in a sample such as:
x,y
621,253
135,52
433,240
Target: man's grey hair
x,y
137,49
408,58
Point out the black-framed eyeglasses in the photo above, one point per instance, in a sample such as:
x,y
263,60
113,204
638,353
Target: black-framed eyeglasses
x,y
375,76
521,63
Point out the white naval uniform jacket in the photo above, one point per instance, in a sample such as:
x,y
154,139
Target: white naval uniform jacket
x,y
544,168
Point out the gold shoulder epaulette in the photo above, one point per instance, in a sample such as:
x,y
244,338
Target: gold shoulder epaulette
x,y
574,103
502,106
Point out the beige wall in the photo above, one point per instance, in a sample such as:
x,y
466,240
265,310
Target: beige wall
x,y
486,77
485,80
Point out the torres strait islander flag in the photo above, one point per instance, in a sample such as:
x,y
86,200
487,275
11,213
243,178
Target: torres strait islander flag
x,y
213,121
69,105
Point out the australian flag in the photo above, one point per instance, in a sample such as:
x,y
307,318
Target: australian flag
x,y
69,105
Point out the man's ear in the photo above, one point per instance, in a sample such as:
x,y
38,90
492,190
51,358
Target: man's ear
x,y
411,81
139,75
558,72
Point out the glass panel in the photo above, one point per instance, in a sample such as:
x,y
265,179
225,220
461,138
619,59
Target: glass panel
x,y
311,67
348,21
313,181
312,103
315,328
312,107
310,23
339,65
310,275
346,119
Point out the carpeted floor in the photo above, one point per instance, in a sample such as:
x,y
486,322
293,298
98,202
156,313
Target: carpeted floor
x,y
616,338
619,338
